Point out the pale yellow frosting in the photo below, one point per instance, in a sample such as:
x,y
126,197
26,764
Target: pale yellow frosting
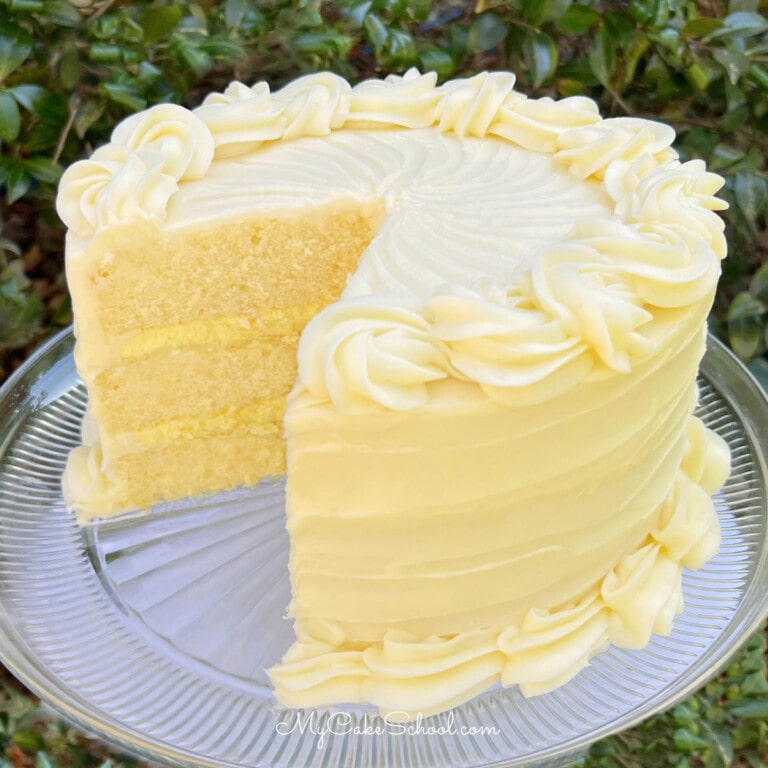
x,y
511,369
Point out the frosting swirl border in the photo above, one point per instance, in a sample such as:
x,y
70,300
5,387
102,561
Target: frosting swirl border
x,y
597,292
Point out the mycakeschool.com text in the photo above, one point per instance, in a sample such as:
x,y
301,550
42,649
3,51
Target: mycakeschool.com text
x,y
325,725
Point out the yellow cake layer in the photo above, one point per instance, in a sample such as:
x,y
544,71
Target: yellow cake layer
x,y
137,480
177,457
231,330
257,417
230,268
195,380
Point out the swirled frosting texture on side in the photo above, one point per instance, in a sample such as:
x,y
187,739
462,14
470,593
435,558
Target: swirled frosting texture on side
x,y
416,675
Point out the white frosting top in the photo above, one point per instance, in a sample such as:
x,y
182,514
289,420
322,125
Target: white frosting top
x,y
558,239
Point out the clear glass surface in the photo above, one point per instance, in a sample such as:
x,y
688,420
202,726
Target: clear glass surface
x,y
154,631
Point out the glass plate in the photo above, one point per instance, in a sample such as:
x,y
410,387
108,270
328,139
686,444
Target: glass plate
x,y
154,631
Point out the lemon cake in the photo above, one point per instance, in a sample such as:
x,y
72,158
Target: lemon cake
x,y
475,320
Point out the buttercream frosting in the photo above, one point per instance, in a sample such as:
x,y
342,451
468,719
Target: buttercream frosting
x,y
537,268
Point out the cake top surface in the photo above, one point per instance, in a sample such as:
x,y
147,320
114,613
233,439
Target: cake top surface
x,y
523,239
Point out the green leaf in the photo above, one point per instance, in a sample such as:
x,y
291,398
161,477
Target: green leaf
x,y
753,733
28,6
391,8
701,27
735,64
698,142
30,741
29,96
642,10
567,86
323,43
130,30
376,32
745,307
148,74
391,45
158,21
15,177
402,48
69,66
420,9
538,12
242,16
356,11
456,41
124,95
541,55
633,54
669,39
683,714
726,158
741,24
620,28
577,20
658,77
298,15
43,169
10,118
757,709
745,329
88,112
759,75
191,55
105,53
751,192
433,59
687,741
222,49
754,684
486,32
602,57
51,108
62,13
15,46
737,107
40,138
699,76
720,753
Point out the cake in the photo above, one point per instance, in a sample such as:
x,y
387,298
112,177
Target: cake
x,y
471,320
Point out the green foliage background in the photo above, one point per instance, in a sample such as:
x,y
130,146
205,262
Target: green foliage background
x,y
71,69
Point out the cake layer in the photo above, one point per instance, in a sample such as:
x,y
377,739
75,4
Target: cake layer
x,y
196,382
179,469
238,267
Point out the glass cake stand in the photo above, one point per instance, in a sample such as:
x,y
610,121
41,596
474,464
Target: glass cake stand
x,y
154,632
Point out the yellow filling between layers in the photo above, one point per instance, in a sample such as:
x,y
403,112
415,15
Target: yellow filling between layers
x,y
158,370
